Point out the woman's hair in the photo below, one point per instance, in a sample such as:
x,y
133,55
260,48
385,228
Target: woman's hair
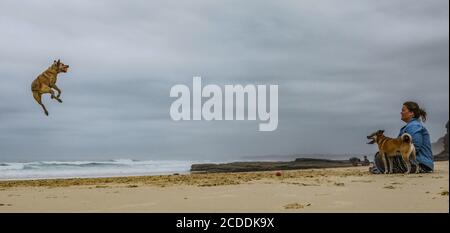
x,y
418,112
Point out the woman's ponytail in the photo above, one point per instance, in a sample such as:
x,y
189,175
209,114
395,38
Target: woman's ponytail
x,y
422,114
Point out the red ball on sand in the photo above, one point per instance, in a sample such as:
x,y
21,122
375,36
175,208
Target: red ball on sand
x,y
278,173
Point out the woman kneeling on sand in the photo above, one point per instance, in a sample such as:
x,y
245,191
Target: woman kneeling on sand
x,y
413,115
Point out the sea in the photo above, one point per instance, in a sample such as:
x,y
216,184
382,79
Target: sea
x,y
91,169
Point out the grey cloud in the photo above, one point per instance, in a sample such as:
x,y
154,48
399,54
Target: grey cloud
x,y
343,67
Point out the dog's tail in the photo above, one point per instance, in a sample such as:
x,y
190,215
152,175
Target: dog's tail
x,y
406,138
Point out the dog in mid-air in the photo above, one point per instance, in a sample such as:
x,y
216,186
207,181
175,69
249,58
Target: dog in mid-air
x,y
46,82
391,147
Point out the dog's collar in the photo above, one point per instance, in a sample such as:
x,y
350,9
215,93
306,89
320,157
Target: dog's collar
x,y
53,71
383,141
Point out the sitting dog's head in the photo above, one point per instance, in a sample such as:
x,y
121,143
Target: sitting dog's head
x,y
374,136
60,67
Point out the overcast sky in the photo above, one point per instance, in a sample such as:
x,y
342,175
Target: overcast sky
x,y
344,68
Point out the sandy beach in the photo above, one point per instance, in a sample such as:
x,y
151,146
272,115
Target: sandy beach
x,y
317,190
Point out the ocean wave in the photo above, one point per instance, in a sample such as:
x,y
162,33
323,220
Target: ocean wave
x,y
73,169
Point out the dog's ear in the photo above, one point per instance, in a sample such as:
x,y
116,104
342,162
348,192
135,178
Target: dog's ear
x,y
381,131
58,62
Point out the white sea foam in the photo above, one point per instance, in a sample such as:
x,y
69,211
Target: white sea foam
x,y
74,169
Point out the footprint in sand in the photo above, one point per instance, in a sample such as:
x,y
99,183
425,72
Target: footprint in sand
x,y
363,181
396,183
295,206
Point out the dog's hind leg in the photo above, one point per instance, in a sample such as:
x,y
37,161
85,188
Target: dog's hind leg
x,y
37,97
405,158
413,157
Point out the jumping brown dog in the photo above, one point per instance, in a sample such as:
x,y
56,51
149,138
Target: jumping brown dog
x,y
46,82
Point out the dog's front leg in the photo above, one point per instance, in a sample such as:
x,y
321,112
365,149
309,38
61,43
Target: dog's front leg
x,y
407,162
59,93
383,158
57,89
391,164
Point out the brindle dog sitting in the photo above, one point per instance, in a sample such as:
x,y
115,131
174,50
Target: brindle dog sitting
x,y
46,82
